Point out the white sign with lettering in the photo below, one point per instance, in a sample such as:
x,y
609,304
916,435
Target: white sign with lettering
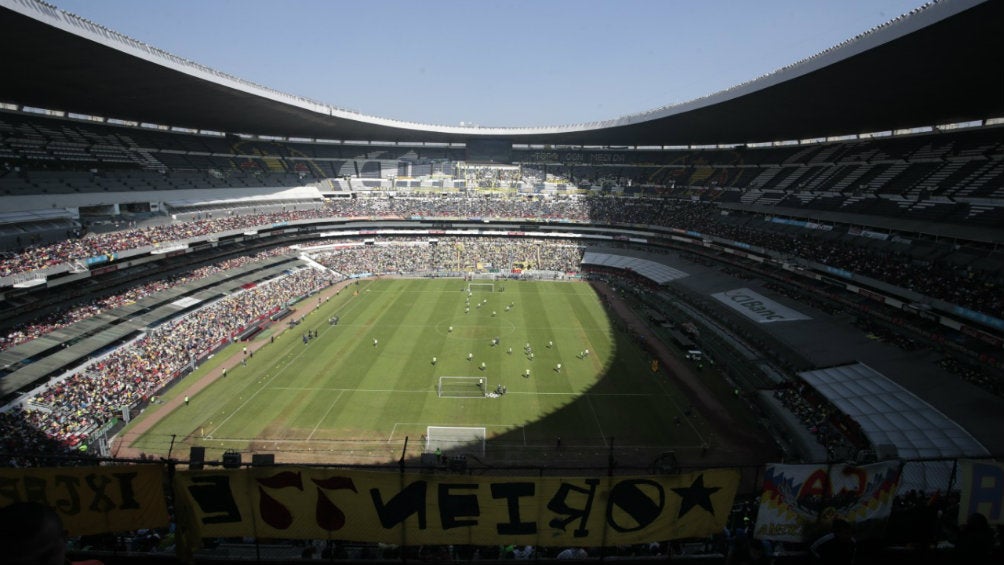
x,y
758,308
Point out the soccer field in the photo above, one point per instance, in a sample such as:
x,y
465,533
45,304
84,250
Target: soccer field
x,y
354,393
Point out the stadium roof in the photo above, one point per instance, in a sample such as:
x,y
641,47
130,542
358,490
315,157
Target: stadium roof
x,y
891,415
943,63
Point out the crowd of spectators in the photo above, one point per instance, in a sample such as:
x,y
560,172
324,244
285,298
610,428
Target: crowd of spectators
x,y
881,332
455,206
491,177
67,316
23,446
72,408
929,520
834,430
452,254
975,374
922,518
971,288
41,256
977,290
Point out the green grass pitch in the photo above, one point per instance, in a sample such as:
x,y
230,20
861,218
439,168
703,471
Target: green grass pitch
x,y
346,397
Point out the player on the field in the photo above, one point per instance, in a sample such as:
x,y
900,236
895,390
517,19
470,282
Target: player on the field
x,y
434,360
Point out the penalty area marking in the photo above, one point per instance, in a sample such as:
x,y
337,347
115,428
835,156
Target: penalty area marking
x,y
690,421
596,418
328,411
393,430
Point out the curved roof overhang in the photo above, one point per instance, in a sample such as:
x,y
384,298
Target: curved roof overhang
x,y
943,63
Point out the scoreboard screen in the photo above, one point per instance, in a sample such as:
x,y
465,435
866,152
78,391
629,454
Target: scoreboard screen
x,y
489,151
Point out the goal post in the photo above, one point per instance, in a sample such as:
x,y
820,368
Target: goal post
x,y
461,387
483,282
455,440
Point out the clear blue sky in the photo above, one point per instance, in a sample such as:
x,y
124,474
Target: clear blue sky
x,y
493,62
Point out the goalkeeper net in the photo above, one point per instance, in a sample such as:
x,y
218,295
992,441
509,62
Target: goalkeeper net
x,y
480,287
461,387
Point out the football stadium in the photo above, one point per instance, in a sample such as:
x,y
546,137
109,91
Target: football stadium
x,y
762,326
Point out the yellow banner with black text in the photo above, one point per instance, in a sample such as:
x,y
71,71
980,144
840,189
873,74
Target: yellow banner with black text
x,y
981,490
92,500
411,508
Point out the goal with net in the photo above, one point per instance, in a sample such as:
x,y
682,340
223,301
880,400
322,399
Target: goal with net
x,y
453,440
480,287
483,282
461,387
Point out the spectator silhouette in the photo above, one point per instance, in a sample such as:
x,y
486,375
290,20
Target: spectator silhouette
x,y
976,541
31,533
837,547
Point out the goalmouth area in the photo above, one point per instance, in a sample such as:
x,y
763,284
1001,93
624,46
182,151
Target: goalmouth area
x,y
530,373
